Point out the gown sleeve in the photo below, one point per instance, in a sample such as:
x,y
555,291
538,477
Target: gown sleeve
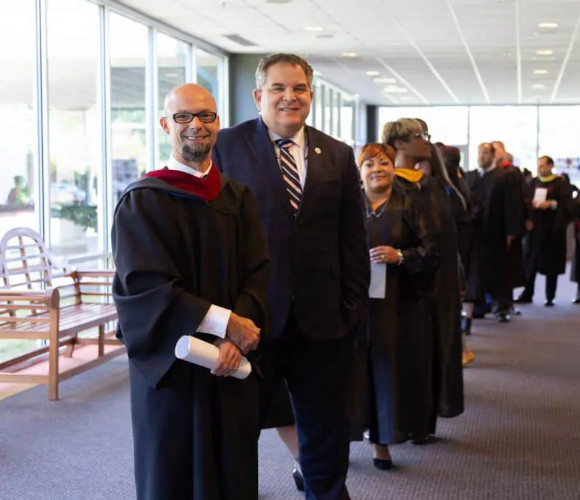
x,y
153,305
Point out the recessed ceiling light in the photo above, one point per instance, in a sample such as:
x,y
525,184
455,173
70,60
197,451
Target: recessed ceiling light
x,y
349,54
373,73
313,28
538,86
548,25
540,72
393,89
545,52
384,80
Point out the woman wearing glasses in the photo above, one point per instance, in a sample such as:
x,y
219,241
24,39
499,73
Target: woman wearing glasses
x,y
395,344
411,143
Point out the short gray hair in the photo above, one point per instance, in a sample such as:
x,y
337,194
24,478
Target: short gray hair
x,y
272,59
400,130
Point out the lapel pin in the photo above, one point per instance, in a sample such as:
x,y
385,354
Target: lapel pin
x,y
317,151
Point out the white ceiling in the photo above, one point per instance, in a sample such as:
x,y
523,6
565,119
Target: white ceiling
x,y
438,51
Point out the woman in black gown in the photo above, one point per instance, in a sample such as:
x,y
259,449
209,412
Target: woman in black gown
x,y
429,195
397,345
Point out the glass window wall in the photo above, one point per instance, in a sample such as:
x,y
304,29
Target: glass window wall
x,y
73,42
19,203
172,62
515,126
558,138
128,61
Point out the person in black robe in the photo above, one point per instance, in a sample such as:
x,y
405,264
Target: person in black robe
x,y
552,211
428,194
516,250
394,349
191,259
451,157
575,269
498,219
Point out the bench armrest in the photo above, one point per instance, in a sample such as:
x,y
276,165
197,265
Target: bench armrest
x,y
49,297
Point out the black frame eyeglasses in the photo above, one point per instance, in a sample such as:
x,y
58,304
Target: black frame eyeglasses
x,y
187,117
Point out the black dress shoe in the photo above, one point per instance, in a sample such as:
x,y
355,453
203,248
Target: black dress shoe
x,y
503,317
523,299
576,300
421,438
549,303
298,478
382,464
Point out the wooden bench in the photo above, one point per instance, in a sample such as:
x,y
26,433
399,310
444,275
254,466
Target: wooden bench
x,y
40,301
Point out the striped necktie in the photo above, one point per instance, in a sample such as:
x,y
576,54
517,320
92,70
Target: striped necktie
x,y
290,173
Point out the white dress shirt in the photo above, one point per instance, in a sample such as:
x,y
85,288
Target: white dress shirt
x,y
216,320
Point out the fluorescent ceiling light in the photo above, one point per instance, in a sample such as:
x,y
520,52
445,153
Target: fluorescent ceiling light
x,y
313,28
540,72
373,73
393,89
546,25
545,52
349,54
384,80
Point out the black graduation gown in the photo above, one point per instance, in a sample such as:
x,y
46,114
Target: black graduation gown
x,y
550,226
575,270
393,366
431,199
520,190
497,211
195,435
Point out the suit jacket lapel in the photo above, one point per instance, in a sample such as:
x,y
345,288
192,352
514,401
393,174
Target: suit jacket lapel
x,y
314,169
265,157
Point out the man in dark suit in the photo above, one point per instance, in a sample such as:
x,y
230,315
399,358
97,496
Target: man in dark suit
x,y
310,202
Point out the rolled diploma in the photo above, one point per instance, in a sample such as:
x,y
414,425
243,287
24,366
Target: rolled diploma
x,y
204,354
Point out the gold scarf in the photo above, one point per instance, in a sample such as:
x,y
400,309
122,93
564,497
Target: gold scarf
x,y
549,178
409,174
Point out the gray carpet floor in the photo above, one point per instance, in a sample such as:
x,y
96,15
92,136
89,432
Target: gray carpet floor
x,y
519,437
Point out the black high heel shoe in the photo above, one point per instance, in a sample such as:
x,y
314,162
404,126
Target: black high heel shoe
x,y
298,478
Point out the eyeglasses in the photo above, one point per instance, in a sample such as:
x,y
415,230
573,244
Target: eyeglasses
x,y
203,117
420,135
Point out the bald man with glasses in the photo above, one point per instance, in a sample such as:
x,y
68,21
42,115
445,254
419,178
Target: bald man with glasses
x,y
191,259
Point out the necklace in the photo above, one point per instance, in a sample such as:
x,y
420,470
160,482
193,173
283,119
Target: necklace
x,y
379,211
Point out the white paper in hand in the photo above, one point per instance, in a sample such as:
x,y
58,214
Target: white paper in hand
x,y
378,284
204,354
540,194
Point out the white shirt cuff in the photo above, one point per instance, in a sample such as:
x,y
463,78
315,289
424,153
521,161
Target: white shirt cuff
x,y
215,321
554,204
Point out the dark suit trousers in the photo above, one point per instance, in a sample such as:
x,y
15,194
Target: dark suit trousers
x,y
551,285
317,373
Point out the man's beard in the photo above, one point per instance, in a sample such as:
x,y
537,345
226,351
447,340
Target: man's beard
x,y
195,153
